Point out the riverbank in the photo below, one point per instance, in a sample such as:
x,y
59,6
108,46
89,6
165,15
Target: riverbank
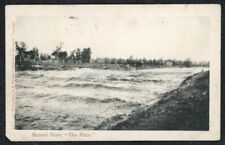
x,y
57,66
185,108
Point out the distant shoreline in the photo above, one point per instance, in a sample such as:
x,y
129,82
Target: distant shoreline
x,y
185,108
94,66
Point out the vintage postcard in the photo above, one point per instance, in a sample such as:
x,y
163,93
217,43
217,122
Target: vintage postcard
x,y
113,72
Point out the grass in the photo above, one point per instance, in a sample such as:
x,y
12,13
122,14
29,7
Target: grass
x,y
186,108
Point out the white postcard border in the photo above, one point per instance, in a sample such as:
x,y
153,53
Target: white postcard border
x,y
213,11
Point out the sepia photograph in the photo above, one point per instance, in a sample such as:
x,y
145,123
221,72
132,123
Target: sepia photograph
x,y
87,69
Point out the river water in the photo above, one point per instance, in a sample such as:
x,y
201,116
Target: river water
x,y
84,98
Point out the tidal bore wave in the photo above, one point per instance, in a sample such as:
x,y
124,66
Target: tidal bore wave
x,y
88,98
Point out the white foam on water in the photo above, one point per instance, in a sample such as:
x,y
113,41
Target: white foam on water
x,y
83,98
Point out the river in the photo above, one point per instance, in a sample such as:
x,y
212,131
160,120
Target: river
x,y
84,98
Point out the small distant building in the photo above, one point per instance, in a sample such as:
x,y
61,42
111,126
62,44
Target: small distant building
x,y
169,63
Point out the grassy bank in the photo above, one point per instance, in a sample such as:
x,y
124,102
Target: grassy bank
x,y
186,108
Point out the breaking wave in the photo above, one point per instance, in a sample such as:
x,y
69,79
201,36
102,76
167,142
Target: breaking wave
x,y
98,86
138,80
92,100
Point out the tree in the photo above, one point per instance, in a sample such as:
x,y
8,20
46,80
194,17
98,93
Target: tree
x,y
21,50
131,61
78,55
187,62
149,62
121,61
113,61
86,55
160,62
154,62
106,60
139,63
72,56
144,60
55,53
33,54
44,57
62,56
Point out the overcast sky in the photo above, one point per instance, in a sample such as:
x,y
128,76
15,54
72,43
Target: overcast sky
x,y
122,35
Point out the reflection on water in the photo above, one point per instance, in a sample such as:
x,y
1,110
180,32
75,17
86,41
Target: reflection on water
x,y
84,98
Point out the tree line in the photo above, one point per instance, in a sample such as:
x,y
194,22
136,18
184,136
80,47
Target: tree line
x,y
33,55
78,56
131,61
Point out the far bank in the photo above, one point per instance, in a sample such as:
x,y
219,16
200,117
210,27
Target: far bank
x,y
71,66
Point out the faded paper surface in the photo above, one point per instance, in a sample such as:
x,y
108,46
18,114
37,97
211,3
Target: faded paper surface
x,y
202,20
